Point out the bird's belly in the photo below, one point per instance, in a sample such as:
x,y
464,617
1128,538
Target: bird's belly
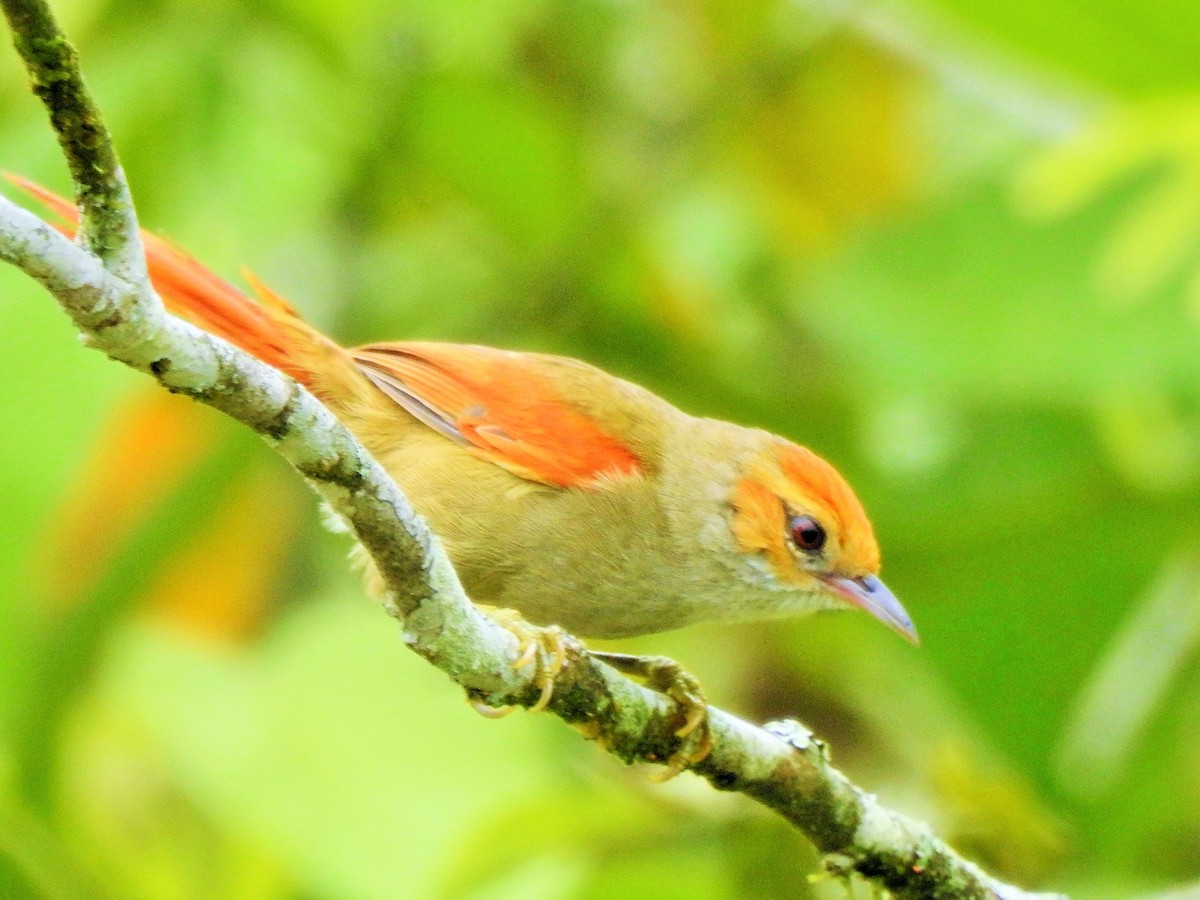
x,y
589,604
594,561
601,562
602,588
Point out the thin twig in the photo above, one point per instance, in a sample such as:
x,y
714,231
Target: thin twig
x,y
115,309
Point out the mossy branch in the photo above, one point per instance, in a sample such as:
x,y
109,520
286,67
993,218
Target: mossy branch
x,y
108,226
105,292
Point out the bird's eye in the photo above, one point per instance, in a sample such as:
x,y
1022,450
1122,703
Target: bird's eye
x,y
806,533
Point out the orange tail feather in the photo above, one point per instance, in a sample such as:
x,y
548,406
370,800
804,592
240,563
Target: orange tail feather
x,y
190,290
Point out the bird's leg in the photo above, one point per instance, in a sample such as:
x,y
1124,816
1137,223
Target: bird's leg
x,y
546,647
665,675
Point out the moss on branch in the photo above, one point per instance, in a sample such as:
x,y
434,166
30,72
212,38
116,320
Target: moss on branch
x,y
108,228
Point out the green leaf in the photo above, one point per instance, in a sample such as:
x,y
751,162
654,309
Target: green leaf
x,y
968,302
1131,47
501,148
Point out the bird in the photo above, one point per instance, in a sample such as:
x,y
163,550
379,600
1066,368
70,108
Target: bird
x,y
567,498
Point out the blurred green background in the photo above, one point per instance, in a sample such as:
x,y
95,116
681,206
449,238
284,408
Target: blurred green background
x,y
953,247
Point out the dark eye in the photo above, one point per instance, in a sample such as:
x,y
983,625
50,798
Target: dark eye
x,y
806,533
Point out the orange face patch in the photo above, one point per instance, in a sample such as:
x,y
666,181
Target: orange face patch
x,y
819,486
795,477
758,527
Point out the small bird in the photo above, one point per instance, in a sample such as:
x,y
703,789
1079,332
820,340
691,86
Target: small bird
x,y
562,492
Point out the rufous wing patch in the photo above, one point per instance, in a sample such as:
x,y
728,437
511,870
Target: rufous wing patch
x,y
498,403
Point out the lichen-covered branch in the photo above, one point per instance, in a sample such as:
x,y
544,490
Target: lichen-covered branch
x,y
116,311
108,226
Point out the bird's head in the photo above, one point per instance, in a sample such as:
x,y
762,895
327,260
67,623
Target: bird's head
x,y
801,522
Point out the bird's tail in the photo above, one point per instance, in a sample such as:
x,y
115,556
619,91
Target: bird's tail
x,y
270,329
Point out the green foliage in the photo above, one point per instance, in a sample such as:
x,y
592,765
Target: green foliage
x,y
953,249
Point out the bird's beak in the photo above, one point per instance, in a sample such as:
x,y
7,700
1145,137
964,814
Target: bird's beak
x,y
871,595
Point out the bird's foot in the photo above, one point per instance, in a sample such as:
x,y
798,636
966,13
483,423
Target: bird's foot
x,y
544,646
665,675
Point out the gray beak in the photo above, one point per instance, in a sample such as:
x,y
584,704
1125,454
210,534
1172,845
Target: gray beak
x,y
871,595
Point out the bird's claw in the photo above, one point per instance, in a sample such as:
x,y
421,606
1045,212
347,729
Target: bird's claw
x,y
546,647
665,675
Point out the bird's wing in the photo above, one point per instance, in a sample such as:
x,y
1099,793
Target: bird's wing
x,y
500,404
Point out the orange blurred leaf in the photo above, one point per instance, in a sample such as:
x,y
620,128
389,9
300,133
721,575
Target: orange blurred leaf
x,y
148,444
220,585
